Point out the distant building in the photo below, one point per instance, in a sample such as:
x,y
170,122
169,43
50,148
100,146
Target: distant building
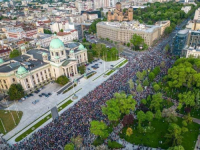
x,y
195,23
192,47
180,41
186,9
163,25
123,32
68,36
119,15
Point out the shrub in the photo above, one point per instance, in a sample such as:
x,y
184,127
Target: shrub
x,y
114,145
62,80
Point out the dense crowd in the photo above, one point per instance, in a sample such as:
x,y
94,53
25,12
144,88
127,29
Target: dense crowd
x,y
76,120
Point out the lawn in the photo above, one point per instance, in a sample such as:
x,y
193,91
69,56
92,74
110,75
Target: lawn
x,y
154,139
121,64
195,112
7,120
34,127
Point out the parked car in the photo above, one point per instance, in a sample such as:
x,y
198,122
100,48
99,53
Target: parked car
x,y
49,94
40,95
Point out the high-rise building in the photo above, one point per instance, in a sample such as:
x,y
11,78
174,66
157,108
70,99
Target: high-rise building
x,y
179,42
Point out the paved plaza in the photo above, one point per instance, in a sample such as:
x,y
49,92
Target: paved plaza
x,y
32,112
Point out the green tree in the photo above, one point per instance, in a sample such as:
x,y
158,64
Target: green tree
x,y
16,92
131,84
179,147
158,115
61,30
187,98
82,69
84,40
125,103
99,129
146,82
128,44
141,116
137,40
151,76
174,135
156,87
149,116
156,101
46,31
139,88
144,101
69,146
112,110
62,80
14,53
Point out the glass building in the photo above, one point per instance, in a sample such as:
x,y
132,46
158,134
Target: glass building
x,y
180,41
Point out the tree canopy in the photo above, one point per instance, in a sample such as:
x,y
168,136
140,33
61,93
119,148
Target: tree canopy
x,y
99,128
16,91
14,53
62,80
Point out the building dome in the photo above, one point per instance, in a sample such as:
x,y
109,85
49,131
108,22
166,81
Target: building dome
x,y
21,70
81,47
1,61
56,44
23,48
44,54
71,51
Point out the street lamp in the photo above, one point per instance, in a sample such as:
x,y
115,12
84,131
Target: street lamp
x,y
3,125
74,96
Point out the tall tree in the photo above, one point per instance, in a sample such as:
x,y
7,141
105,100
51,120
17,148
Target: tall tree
x,y
141,117
69,146
187,98
149,116
174,135
112,110
156,101
99,129
14,53
16,92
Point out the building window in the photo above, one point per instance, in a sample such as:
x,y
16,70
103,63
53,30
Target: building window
x,y
13,79
6,86
45,71
62,53
38,80
28,86
41,73
52,53
48,69
4,81
57,54
42,78
26,80
36,74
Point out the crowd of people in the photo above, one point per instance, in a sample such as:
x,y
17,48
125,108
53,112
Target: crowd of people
x,y
76,120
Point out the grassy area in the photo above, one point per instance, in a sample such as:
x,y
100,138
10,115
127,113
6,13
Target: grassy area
x,y
91,75
98,77
117,66
114,145
161,126
7,120
195,112
34,127
98,141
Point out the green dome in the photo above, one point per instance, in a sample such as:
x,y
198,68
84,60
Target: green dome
x,y
81,47
21,70
23,47
71,51
1,61
56,44
44,54
38,43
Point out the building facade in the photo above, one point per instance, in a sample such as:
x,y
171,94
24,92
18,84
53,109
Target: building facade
x,y
179,42
123,32
39,66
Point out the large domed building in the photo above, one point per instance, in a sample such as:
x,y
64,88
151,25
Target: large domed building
x,y
39,66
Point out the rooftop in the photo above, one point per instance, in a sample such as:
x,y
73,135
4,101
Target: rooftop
x,y
133,25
